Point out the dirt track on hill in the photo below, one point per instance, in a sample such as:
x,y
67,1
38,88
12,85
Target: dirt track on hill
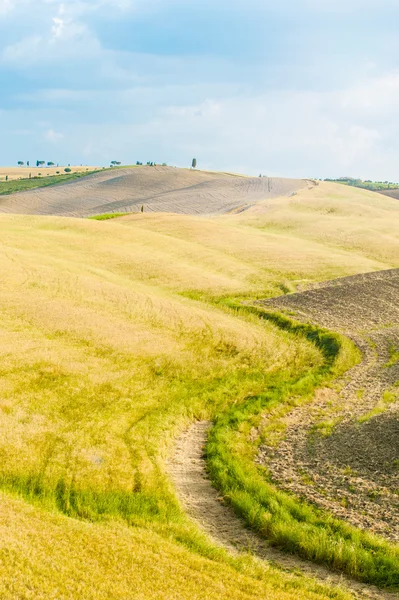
x,y
187,469
341,452
159,189
353,471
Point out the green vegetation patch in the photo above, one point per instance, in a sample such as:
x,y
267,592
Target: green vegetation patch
x,y
23,185
388,397
325,428
393,357
107,216
286,521
373,186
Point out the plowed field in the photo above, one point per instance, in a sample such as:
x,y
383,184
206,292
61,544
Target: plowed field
x,y
391,193
159,189
342,451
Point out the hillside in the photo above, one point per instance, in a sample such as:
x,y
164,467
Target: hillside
x,y
159,189
354,433
117,336
15,173
391,193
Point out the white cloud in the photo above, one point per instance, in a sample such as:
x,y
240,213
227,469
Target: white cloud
x,y
66,38
53,136
209,109
5,7
291,133
281,133
263,115
375,97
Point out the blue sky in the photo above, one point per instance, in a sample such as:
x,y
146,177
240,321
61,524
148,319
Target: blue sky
x,y
306,88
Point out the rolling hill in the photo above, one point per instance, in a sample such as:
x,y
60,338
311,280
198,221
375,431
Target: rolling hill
x,y
159,189
117,335
15,173
354,433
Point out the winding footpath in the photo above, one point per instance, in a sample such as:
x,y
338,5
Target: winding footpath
x,y
366,308
341,451
201,501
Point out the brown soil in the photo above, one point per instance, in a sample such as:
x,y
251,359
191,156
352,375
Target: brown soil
x,y
159,189
335,453
390,193
202,502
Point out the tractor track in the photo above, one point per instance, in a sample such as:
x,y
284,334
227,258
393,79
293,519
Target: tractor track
x,y
366,309
202,502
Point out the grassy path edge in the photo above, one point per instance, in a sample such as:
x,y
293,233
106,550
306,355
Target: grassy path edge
x,y
287,522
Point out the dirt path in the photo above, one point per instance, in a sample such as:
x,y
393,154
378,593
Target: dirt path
x,y
341,452
187,469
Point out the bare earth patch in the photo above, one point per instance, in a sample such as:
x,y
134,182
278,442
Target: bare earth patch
x,y
187,468
341,452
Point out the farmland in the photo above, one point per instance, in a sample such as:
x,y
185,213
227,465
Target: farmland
x,y
157,189
14,186
120,334
18,173
345,441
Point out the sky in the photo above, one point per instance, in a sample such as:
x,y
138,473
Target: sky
x,y
294,88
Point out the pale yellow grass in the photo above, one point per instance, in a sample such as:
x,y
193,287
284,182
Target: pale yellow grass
x,y
45,556
23,172
94,340
325,232
339,217
101,361
109,348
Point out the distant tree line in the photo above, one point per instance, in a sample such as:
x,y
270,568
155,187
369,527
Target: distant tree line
x,y
113,163
42,163
366,185
150,164
39,163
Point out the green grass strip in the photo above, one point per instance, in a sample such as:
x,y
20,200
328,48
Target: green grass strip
x,y
107,216
287,522
23,185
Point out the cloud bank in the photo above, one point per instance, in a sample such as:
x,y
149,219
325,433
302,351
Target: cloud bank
x,y
306,88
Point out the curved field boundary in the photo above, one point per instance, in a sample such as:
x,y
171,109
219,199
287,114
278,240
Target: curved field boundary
x,y
391,193
159,189
341,451
363,556
202,502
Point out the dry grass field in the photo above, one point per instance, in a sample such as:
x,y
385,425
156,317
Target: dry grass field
x,y
114,340
14,173
159,189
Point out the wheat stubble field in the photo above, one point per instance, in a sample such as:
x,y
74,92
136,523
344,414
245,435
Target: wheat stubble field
x,y
119,335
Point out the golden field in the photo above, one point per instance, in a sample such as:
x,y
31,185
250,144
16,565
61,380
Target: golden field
x,y
23,172
112,343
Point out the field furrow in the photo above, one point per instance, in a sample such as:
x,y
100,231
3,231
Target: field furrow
x,y
341,452
159,189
